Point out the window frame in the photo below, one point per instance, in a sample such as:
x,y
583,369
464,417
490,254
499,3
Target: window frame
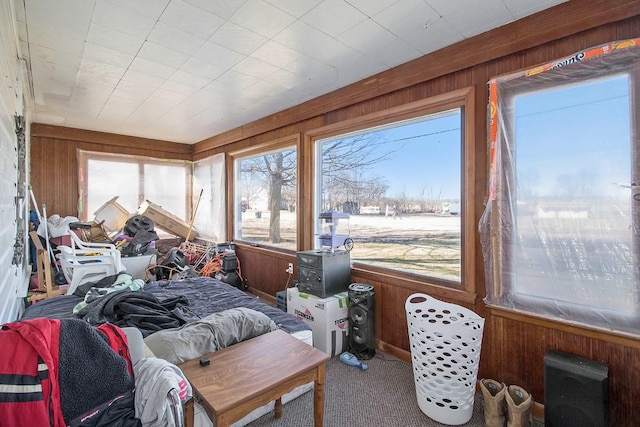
x,y
503,197
290,141
464,99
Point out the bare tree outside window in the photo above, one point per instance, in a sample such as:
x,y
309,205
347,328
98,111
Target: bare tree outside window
x,y
267,188
401,185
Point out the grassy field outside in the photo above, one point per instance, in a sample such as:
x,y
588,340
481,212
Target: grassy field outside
x,y
424,243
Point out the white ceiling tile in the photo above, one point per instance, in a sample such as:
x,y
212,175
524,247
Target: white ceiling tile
x,y
255,67
372,39
218,55
190,79
46,54
202,68
185,70
122,20
142,78
286,79
217,90
93,97
314,43
99,75
181,113
81,9
95,52
237,38
172,86
262,18
55,79
54,117
222,8
174,38
166,97
133,91
362,66
478,16
199,101
334,17
408,18
152,68
295,8
58,30
521,8
371,7
148,111
192,19
118,109
308,67
83,110
163,55
115,40
276,54
151,8
236,81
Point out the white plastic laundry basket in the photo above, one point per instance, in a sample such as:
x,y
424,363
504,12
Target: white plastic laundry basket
x,y
445,342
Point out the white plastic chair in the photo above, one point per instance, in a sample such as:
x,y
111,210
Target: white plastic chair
x,y
81,266
77,242
103,249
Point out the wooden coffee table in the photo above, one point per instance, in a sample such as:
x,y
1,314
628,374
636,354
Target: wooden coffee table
x,y
251,374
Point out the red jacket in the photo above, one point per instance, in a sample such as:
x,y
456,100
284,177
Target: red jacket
x,y
29,388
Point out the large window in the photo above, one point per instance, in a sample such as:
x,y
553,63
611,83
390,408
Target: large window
x,y
402,184
133,179
562,207
265,192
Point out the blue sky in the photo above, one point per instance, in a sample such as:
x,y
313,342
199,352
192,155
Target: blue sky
x,y
577,134
428,161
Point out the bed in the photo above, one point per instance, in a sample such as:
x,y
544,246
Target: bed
x,y
189,300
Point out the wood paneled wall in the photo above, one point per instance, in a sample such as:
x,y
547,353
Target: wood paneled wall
x,y
514,344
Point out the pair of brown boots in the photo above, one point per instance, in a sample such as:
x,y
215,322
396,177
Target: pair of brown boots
x,y
502,404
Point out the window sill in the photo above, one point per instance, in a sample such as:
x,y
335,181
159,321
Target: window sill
x,y
435,288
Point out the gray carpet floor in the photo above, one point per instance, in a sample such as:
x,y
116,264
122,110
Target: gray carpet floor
x,y
382,395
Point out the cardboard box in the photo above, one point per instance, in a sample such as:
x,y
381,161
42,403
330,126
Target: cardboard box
x,y
327,317
165,220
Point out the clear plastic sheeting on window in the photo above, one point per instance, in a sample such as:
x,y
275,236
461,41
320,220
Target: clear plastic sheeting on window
x,y
209,178
134,179
560,230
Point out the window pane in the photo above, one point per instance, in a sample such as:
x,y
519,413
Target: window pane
x,y
166,185
401,185
209,178
107,179
132,179
265,198
573,209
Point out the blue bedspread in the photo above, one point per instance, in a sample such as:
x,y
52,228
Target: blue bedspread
x,y
205,295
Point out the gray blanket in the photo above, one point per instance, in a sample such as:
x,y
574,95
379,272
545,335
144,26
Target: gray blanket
x,y
210,334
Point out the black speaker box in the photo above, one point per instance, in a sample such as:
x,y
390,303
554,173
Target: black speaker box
x,y
576,391
362,334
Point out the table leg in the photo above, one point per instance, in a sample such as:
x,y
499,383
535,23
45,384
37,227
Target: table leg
x,y
278,408
189,413
318,397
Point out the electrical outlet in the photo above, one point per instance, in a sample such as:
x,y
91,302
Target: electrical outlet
x,y
290,268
